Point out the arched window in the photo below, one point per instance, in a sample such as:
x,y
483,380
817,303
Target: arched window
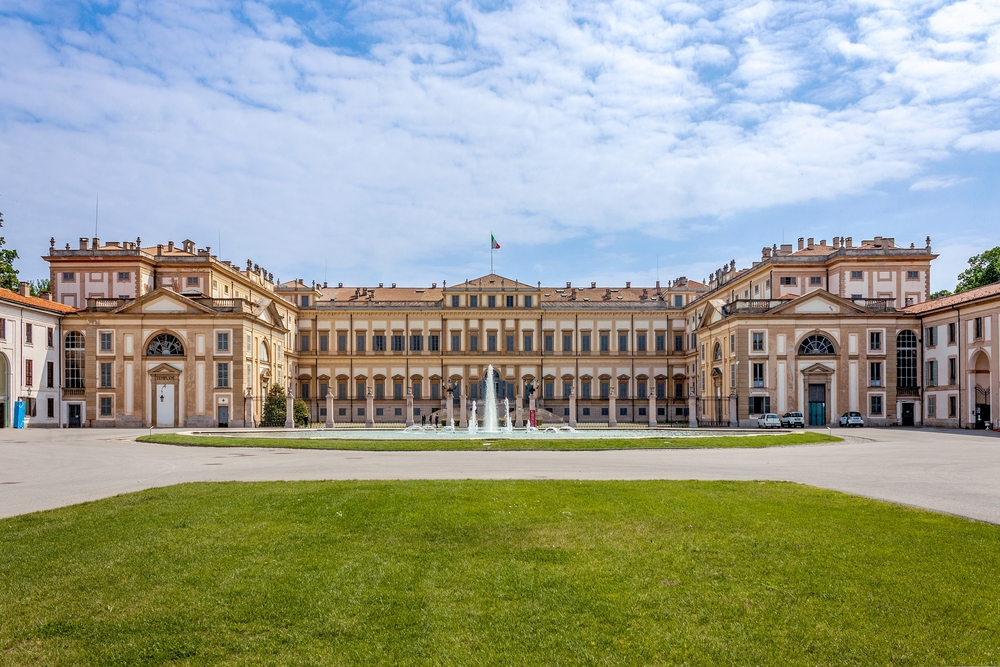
x,y
816,344
906,359
73,357
165,345
717,352
263,352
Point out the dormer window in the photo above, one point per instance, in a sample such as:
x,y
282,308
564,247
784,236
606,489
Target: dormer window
x,y
304,301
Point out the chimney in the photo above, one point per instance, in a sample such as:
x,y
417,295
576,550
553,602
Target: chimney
x,y
324,283
657,284
394,285
340,284
593,285
159,248
381,284
84,244
97,243
24,288
434,285
569,284
765,254
628,284
170,246
836,242
810,244
47,296
848,242
801,243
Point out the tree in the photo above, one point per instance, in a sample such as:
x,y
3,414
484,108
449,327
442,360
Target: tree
x,y
941,293
300,411
274,407
40,286
8,274
983,269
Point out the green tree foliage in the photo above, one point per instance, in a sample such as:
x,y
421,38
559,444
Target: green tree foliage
x,y
274,407
40,286
983,269
301,412
8,274
941,293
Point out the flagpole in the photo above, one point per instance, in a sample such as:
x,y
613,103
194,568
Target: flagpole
x,y
491,252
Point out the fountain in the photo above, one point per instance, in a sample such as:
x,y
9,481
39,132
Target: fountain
x,y
490,422
508,427
473,424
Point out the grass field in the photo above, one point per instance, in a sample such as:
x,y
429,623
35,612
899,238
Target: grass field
x,y
798,438
497,573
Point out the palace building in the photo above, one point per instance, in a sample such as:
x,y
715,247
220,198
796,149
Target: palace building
x,y
171,335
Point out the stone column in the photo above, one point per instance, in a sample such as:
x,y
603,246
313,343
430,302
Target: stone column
x,y
409,406
733,417
463,411
612,417
248,409
450,407
289,410
370,409
652,409
692,411
572,407
519,405
329,409
532,408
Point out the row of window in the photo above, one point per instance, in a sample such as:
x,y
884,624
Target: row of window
x,y
29,333
399,343
931,333
478,390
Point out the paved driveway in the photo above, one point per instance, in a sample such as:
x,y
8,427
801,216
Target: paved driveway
x,y
957,472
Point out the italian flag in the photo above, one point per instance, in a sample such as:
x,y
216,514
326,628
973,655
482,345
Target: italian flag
x,y
493,243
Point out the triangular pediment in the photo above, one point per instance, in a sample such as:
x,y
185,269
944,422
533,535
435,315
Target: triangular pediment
x,y
164,370
163,301
490,281
818,302
818,369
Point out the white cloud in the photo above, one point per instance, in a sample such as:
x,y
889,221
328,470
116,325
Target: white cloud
x,y
987,141
938,182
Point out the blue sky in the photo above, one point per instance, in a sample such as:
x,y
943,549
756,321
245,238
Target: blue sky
x,y
384,141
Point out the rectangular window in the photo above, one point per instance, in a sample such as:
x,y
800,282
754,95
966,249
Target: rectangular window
x,y
815,280
604,412
932,406
48,337
222,375
622,342
857,275
105,406
342,391
304,301
623,389
50,374
951,333
760,405
758,375
69,277
585,342
527,302
678,301
876,405
875,374
491,301
473,301
435,390
124,276
434,343
304,345
678,342
454,301
360,390
913,275
787,280
360,343
640,389
510,301
29,372
931,373
549,342
757,341
732,375
28,333
50,408
324,389
473,342
379,389
952,406
640,342
398,342
342,342
661,343
605,389
416,343
952,370
397,390
324,342
192,281
978,327
732,343
378,343
567,389
875,340
105,375
678,390
605,342
304,390
416,390
528,342
456,342
550,390
361,412
930,336
585,390
567,343
510,343
491,342
105,341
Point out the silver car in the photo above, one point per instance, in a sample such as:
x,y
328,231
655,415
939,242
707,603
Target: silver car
x,y
852,419
793,420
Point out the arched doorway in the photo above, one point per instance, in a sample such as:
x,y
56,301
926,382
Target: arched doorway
x,y
818,378
981,385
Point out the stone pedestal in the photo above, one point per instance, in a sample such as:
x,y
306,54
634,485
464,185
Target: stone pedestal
x,y
519,409
450,407
370,409
651,410
572,407
329,409
409,406
289,410
733,417
692,412
248,410
463,411
532,410
612,410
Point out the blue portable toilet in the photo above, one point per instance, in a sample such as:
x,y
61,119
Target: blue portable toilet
x,y
18,414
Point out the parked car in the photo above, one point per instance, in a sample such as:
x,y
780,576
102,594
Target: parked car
x,y
769,420
852,419
792,420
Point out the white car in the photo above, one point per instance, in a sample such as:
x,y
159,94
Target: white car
x,y
852,419
793,419
769,420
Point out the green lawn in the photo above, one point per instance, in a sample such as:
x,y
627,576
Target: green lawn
x,y
416,444
497,573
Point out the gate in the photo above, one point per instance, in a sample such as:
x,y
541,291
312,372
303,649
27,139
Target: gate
x,y
817,405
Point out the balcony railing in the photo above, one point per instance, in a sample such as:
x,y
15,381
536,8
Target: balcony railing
x,y
106,304
752,306
907,391
876,305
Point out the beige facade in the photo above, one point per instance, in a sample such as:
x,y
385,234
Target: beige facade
x,y
823,329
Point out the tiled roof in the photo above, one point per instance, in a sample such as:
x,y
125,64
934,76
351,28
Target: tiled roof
x,y
992,289
376,294
491,280
35,302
